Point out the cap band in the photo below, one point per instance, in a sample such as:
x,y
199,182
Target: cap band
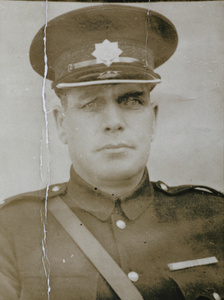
x,y
95,62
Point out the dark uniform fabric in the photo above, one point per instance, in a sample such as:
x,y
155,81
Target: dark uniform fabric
x,y
163,225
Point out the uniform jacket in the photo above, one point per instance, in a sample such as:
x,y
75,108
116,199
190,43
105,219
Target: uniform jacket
x,y
162,225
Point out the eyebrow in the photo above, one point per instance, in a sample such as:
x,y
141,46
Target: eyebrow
x,y
131,94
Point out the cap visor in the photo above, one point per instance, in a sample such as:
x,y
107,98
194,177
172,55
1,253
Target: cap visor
x,y
109,81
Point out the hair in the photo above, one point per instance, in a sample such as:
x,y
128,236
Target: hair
x,y
62,93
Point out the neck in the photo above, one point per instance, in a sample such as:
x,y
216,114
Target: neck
x,y
121,187
116,187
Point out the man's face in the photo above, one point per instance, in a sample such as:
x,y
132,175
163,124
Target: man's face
x,y
108,129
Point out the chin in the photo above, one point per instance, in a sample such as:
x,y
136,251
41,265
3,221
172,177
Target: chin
x,y
121,172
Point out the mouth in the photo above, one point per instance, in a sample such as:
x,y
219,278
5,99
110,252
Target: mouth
x,y
116,147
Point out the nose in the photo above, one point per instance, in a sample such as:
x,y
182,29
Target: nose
x,y
114,119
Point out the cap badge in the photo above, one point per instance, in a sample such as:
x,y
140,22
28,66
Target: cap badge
x,y
107,52
109,74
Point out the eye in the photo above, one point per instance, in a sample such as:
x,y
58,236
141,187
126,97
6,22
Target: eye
x,y
94,105
131,102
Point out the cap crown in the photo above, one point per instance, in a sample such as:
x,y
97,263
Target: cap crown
x,y
123,41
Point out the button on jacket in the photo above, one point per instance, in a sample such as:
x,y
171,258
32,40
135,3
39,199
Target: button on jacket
x,y
145,231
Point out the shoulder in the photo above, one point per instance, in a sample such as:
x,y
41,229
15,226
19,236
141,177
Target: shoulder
x,y
35,197
23,215
187,201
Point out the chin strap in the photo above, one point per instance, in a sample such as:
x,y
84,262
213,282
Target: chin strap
x,y
95,252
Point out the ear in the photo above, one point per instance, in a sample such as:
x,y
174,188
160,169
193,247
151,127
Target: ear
x,y
59,114
155,109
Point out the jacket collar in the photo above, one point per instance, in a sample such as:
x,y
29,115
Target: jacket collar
x,y
101,205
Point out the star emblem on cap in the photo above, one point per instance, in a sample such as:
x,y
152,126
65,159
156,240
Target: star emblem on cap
x,y
107,52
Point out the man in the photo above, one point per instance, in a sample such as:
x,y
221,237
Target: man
x,y
133,239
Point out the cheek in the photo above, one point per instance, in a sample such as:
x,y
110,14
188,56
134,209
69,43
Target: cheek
x,y
144,126
72,129
80,134
74,123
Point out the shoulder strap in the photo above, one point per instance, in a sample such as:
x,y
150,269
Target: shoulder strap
x,y
95,252
181,189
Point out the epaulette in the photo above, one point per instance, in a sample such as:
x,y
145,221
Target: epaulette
x,y
181,189
52,191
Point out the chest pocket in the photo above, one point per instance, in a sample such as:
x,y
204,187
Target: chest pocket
x,y
201,283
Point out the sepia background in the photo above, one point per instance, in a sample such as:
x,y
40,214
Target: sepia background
x,y
188,148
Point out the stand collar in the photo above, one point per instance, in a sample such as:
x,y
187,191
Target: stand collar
x,y
101,205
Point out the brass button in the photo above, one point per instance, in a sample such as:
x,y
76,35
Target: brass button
x,y
120,224
216,296
55,188
133,276
164,186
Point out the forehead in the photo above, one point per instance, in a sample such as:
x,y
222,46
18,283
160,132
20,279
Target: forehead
x,y
107,89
